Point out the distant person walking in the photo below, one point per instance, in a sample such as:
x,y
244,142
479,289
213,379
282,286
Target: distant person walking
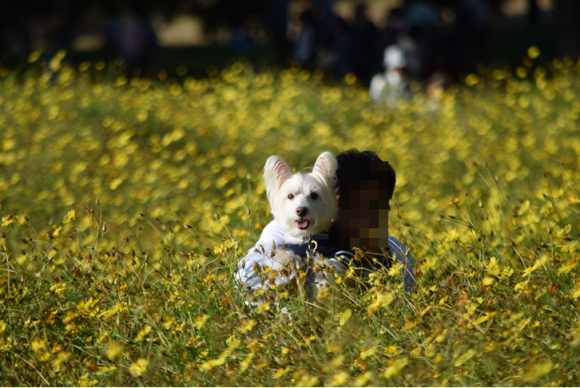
x,y
306,43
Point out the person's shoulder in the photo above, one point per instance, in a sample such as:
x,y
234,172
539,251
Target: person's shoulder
x,y
393,240
394,243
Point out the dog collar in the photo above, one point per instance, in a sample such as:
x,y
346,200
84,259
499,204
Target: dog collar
x,y
313,243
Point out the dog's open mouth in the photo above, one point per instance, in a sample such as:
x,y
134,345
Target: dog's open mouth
x,y
302,223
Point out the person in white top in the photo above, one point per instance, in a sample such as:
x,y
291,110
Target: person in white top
x,y
365,184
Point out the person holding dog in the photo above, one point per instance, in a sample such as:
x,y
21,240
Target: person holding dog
x,y
364,187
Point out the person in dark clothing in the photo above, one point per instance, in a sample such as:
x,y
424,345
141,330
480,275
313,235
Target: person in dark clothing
x,y
365,185
364,35
342,46
306,44
131,34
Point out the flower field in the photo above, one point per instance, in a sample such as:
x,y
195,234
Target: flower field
x,y
126,204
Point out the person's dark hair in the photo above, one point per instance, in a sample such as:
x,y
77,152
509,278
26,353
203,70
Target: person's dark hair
x,y
355,167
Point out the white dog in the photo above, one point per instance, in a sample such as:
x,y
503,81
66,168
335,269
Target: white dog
x,y
302,204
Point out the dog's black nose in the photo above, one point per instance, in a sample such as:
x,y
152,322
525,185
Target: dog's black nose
x,y
301,211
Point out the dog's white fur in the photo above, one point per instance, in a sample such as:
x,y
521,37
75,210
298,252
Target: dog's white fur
x,y
320,209
281,184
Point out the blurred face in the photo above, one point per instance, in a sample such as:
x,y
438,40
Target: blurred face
x,y
363,217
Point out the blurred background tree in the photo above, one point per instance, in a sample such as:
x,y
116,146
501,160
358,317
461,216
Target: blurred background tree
x,y
161,35
567,13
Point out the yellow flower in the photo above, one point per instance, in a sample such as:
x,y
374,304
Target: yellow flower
x,y
337,361
34,56
506,273
396,269
138,368
576,335
57,231
233,342
281,372
567,267
396,367
7,220
307,381
200,321
363,379
493,268
339,379
563,232
524,208
531,269
471,79
533,52
85,306
520,286
219,249
111,312
231,243
263,307
142,333
61,358
70,216
168,322
537,371
84,381
209,365
350,273
465,357
70,315
2,327
381,301
37,344
452,235
524,322
114,350
105,369
247,361
323,294
344,317
366,353
485,318
247,326
441,337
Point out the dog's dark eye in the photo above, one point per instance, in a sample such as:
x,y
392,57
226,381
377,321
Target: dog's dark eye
x,y
290,196
314,196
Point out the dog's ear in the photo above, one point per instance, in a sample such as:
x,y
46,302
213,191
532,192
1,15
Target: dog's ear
x,y
276,172
326,166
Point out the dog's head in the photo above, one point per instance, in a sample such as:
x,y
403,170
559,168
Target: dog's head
x,y
303,204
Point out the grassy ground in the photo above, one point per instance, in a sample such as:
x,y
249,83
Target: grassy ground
x,y
127,203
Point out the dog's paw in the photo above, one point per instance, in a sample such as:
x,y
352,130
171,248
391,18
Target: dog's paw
x,y
286,257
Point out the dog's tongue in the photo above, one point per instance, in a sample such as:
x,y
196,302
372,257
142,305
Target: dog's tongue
x,y
302,224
